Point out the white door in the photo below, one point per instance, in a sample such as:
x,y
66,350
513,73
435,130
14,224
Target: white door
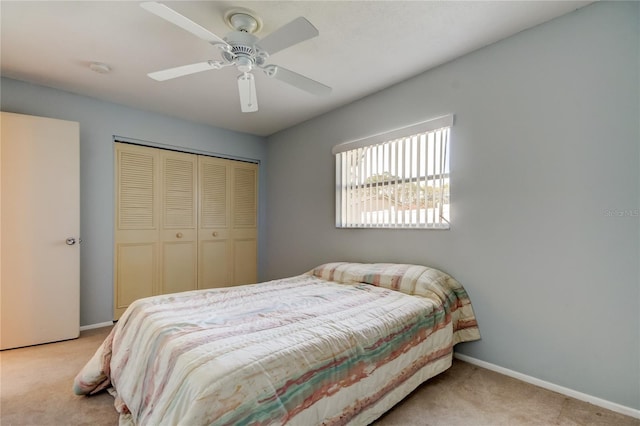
x,y
39,230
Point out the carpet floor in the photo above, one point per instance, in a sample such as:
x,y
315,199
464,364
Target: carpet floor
x,y
35,389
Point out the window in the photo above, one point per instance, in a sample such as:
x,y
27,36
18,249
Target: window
x,y
398,179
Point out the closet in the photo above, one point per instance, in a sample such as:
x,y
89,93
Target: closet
x,y
183,222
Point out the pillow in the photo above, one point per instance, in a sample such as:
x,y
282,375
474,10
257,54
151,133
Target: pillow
x,y
410,279
448,294
340,272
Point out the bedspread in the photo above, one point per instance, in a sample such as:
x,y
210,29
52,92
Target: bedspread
x,y
340,344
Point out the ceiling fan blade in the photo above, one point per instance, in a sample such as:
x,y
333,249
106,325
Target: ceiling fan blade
x,y
247,89
292,33
183,70
300,81
183,22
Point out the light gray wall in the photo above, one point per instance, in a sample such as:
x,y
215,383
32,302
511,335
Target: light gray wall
x,y
545,148
99,122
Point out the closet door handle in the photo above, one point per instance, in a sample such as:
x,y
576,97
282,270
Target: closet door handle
x,y
215,234
179,235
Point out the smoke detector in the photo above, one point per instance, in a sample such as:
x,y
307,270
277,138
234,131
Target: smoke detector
x,y
99,67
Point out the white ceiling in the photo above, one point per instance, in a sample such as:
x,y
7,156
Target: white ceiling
x,y
363,47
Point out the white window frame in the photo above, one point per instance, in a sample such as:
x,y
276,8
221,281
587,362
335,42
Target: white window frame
x,y
413,157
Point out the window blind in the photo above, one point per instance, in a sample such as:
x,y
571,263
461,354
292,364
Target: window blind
x,y
397,179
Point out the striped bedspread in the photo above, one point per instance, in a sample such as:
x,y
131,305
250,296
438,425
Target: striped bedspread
x,y
340,344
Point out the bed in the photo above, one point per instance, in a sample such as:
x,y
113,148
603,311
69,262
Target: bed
x,y
340,344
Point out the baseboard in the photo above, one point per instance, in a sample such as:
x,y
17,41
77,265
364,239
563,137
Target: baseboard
x,y
99,325
618,408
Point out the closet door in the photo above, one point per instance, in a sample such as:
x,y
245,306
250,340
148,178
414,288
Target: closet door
x,y
244,230
214,249
183,222
178,235
136,262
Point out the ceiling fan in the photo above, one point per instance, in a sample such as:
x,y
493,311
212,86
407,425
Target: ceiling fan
x,y
242,49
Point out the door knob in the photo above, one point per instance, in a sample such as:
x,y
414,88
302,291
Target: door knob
x,y
70,241
215,234
179,235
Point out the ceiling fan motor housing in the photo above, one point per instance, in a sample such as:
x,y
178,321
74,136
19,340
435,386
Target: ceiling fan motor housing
x,y
243,51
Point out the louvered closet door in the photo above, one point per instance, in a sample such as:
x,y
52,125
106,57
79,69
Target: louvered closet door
x,y
136,260
244,232
214,249
183,222
178,222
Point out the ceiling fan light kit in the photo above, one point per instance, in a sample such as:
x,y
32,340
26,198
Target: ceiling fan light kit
x,y
242,49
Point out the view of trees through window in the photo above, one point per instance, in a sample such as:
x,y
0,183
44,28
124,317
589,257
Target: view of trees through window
x,y
406,194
